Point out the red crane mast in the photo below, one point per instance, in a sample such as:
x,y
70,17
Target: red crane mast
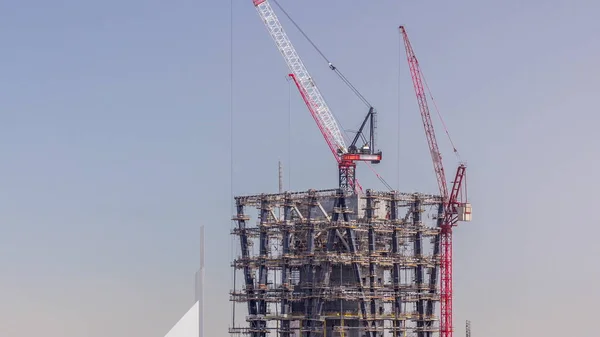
x,y
454,209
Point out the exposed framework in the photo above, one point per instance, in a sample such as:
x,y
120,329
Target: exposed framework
x,y
322,263
455,207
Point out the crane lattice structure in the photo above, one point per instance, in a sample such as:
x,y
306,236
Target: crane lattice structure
x,y
346,156
339,263
455,206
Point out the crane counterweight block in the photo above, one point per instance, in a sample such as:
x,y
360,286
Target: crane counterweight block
x,y
373,158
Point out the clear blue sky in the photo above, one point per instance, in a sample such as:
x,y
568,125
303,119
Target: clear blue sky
x,y
115,145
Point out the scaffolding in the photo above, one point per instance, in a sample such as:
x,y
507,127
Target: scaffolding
x,y
325,263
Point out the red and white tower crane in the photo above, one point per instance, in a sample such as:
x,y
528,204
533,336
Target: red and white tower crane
x,y
346,156
455,206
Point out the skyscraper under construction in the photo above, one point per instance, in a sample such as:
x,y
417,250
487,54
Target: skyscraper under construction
x,y
342,262
328,263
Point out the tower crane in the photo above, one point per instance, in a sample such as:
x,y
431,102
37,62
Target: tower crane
x,y
346,156
454,208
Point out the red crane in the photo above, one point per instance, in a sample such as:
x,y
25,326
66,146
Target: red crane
x,y
346,156
454,208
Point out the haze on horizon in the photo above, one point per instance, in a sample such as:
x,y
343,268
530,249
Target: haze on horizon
x,y
115,135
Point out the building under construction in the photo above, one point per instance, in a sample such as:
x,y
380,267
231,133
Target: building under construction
x,y
342,262
325,263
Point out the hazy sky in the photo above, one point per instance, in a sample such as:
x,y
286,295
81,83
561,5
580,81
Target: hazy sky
x,y
115,145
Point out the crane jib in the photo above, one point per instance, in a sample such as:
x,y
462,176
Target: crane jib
x,y
346,156
318,107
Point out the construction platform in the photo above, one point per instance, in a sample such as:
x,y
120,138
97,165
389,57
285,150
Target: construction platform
x,y
325,263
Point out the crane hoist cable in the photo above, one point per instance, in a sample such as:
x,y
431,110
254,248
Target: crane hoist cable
x,y
440,117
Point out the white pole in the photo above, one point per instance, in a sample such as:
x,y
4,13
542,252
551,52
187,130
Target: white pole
x,y
200,286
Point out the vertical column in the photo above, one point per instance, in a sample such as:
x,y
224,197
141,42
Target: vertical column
x,y
241,219
356,267
309,267
285,283
263,270
418,252
433,276
397,323
200,285
372,259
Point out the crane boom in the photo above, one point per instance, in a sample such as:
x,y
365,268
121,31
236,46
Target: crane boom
x,y
436,156
318,107
346,156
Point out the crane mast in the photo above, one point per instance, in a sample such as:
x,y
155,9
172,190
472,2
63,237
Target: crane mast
x,y
454,210
346,156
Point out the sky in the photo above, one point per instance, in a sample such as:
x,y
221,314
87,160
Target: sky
x,y
123,129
